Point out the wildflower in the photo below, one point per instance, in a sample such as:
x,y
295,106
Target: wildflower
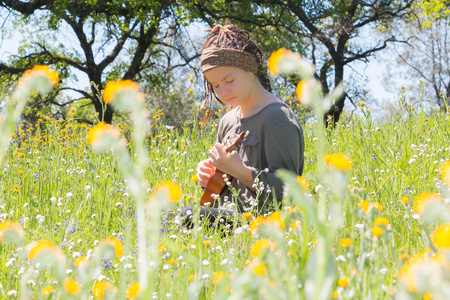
x,y
338,161
81,261
44,246
364,205
40,70
381,221
7,228
259,246
247,216
71,286
376,205
258,268
377,231
445,173
423,199
275,58
342,282
96,132
191,79
428,296
189,91
300,90
101,287
296,224
161,248
302,182
275,218
191,277
346,242
194,179
441,237
174,190
133,291
335,294
112,88
116,244
47,290
405,200
217,277
20,172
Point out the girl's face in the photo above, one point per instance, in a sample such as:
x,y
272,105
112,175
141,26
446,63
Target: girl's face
x,y
232,85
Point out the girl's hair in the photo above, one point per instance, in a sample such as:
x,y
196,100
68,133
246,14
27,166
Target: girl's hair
x,y
231,37
227,37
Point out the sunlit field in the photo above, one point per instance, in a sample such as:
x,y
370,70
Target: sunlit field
x,y
368,219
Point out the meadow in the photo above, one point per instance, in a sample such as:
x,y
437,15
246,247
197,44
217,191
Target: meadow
x,y
366,221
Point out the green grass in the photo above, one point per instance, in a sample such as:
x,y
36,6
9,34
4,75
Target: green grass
x,y
56,161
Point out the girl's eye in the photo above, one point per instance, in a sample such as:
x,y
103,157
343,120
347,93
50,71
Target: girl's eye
x,y
230,81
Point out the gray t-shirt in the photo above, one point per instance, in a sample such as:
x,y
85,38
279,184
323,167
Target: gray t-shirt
x,y
275,141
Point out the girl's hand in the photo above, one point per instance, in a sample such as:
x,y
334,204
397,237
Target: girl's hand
x,y
222,160
205,170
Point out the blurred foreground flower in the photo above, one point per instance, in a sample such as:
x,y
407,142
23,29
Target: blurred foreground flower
x,y
338,161
173,189
118,247
45,248
71,286
133,291
258,268
274,218
441,237
346,242
102,287
101,129
423,199
11,232
112,88
47,290
416,273
445,173
260,245
39,70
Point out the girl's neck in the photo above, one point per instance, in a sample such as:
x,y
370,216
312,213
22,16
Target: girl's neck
x,y
257,100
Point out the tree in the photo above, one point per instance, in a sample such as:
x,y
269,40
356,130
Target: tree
x,y
103,40
328,30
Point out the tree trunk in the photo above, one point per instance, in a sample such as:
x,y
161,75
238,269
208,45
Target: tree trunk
x,y
331,117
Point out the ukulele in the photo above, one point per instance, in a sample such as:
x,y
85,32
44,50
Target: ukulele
x,y
217,182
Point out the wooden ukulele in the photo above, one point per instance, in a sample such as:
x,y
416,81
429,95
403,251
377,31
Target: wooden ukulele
x,y
217,182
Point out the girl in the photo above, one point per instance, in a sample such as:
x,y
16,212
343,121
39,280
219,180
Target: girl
x,y
229,62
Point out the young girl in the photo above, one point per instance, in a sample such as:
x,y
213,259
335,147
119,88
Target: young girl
x,y
229,62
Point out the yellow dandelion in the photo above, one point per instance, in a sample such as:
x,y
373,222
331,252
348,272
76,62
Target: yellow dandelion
x,y
47,290
255,223
190,91
381,221
445,173
101,287
377,231
96,132
161,248
423,199
118,246
335,294
45,71
191,277
7,226
258,268
441,237
296,224
428,296
364,205
81,261
275,58
300,90
133,291
342,282
302,182
276,218
217,277
194,179
71,286
376,205
112,88
405,200
174,190
42,246
346,242
338,161
20,172
259,246
247,216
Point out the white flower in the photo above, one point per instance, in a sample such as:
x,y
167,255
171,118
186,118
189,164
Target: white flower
x,y
69,194
205,262
205,276
416,216
383,271
101,277
87,187
166,267
88,196
12,292
53,199
224,262
10,262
